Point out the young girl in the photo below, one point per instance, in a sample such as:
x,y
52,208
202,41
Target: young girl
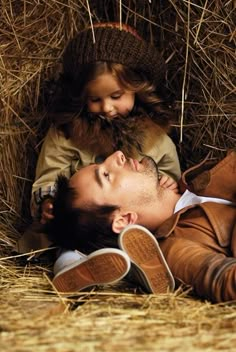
x,y
110,97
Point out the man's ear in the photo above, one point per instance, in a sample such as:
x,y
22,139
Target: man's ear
x,y
120,221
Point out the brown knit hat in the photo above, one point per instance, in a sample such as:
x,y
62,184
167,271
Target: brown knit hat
x,y
107,42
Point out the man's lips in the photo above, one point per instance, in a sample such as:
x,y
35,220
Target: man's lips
x,y
135,164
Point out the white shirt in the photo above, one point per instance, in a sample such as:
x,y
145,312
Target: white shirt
x,y
189,198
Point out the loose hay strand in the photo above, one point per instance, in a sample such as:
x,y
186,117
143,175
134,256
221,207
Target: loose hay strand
x,y
184,79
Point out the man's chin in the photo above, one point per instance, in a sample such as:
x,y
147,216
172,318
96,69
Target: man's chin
x,y
150,165
149,162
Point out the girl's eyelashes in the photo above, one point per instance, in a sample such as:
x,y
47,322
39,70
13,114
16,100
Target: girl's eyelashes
x,y
117,96
98,99
93,100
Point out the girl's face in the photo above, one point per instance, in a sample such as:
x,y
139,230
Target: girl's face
x,y
105,96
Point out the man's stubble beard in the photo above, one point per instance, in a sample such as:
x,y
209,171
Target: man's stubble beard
x,y
151,171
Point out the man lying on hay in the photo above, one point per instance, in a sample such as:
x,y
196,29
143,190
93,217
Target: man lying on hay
x,y
195,229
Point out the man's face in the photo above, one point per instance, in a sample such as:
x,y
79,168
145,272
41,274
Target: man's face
x,y
127,183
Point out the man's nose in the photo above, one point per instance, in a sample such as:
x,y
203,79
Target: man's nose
x,y
115,161
120,158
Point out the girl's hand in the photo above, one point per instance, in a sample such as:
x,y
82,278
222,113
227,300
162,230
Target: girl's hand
x,y
47,207
168,182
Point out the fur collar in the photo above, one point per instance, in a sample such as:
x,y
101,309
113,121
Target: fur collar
x,y
103,136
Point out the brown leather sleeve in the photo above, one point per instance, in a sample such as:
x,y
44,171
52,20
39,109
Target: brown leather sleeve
x,y
200,254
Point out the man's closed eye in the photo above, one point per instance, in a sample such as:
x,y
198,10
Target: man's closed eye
x,y
107,175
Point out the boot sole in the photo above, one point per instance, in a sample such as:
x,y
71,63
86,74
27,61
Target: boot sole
x,y
97,269
148,261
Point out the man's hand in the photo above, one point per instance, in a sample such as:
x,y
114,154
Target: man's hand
x,y
47,207
168,182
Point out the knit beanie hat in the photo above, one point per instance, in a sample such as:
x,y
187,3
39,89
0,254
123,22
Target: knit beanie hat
x,y
109,42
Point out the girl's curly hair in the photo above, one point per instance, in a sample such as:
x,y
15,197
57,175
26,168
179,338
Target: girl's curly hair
x,y
69,102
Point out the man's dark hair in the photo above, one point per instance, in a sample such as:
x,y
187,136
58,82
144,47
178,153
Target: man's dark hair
x,y
79,228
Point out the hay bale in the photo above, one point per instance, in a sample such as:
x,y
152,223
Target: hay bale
x,y
198,42
110,319
32,40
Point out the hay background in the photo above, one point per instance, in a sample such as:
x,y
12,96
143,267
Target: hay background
x,y
198,41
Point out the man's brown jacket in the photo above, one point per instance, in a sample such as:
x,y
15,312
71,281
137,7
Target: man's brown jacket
x,y
199,242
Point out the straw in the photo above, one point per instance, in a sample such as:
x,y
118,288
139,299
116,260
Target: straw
x,y
197,40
